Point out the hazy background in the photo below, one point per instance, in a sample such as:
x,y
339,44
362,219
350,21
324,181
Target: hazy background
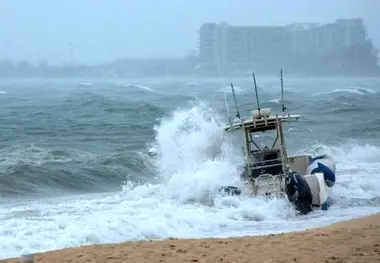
x,y
102,31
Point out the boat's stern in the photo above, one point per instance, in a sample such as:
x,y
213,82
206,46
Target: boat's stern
x,y
266,185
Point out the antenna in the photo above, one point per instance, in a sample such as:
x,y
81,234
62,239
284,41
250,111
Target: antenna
x,y
257,96
282,93
237,108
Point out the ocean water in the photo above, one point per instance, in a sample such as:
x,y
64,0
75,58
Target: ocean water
x,y
74,167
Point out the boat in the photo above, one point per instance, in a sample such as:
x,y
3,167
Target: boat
x,y
269,171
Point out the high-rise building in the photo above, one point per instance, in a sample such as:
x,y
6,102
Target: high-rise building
x,y
225,45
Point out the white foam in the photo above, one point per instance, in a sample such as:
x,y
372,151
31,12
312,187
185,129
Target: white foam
x,y
358,169
138,86
192,84
194,159
349,89
86,84
361,89
274,101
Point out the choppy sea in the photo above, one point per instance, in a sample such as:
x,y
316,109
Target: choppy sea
x,y
75,169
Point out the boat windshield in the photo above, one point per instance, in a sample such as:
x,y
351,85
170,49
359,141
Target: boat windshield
x,y
264,141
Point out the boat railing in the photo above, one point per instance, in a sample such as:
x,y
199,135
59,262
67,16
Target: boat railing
x,y
266,160
266,166
273,181
263,163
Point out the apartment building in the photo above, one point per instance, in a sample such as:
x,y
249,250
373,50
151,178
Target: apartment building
x,y
226,45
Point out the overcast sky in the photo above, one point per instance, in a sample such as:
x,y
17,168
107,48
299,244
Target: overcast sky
x,y
104,30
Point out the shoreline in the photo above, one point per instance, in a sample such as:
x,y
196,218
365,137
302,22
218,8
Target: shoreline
x,y
355,240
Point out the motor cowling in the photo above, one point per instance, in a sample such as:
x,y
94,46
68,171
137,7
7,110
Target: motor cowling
x,y
323,164
298,192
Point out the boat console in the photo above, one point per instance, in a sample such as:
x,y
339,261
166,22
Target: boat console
x,y
267,161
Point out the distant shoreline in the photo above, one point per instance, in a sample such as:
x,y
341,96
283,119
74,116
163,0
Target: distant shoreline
x,y
197,76
179,67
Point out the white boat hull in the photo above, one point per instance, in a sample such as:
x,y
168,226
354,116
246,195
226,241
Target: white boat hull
x,y
309,189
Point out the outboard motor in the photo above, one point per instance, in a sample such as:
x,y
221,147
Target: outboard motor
x,y
298,192
325,165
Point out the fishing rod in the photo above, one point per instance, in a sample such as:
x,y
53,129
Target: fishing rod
x,y
282,93
257,96
228,110
236,105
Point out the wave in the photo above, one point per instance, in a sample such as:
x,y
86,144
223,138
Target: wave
x,y
350,89
33,171
85,84
196,158
192,84
88,102
174,194
273,101
138,86
192,148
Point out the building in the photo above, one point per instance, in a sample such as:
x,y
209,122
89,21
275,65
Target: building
x,y
226,46
222,44
343,33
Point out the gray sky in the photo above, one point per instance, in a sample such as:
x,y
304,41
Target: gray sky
x,y
104,30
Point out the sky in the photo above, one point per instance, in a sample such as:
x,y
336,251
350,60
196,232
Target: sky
x,y
100,31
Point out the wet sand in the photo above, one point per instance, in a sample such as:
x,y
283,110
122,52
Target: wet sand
x,y
355,240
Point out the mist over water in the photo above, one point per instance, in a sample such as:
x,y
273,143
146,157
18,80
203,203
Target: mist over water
x,y
74,167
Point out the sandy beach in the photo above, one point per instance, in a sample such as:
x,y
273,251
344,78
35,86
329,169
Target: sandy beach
x,y
356,240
